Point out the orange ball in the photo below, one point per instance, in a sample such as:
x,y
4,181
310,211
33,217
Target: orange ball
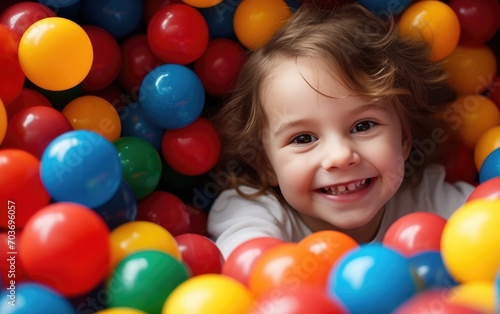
x,y
476,114
286,267
487,143
328,245
433,22
94,113
471,69
256,21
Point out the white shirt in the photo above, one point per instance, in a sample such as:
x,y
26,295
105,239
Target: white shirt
x,y
233,219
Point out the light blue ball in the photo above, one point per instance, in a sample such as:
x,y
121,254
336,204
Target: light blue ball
x,y
490,167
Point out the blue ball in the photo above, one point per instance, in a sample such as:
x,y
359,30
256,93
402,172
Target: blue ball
x,y
431,270
34,298
120,209
372,279
81,166
490,167
119,18
172,96
219,19
381,7
135,123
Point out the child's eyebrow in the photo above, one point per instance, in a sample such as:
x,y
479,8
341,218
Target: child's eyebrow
x,y
355,111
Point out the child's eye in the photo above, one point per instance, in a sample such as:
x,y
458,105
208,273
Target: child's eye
x,y
363,126
303,139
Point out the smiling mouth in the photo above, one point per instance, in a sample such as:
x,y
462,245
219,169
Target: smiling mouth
x,y
346,188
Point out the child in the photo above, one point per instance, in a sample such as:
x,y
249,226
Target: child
x,y
320,133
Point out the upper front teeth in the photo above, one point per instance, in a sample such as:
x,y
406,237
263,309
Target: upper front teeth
x,y
351,186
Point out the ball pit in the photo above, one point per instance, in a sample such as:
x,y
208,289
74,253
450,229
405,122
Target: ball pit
x,y
106,158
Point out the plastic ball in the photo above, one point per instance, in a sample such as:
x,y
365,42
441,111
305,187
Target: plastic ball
x,y
3,121
141,165
385,6
20,177
328,245
286,267
372,279
135,123
200,254
433,301
12,76
479,20
302,300
209,293
479,295
35,298
137,236
166,210
202,3
256,21
415,232
241,260
478,114
193,149
107,59
148,273
178,33
119,18
26,99
137,61
74,263
152,6
487,143
470,69
19,16
431,270
470,243
120,209
81,166
172,96
33,128
55,53
433,22
220,65
490,167
219,19
95,114
489,189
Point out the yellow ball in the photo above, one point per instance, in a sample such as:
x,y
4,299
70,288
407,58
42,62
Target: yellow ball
x,y
487,143
479,295
121,310
256,21
202,3
209,293
470,242
3,121
55,53
141,235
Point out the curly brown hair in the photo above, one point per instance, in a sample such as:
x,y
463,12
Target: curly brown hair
x,y
362,49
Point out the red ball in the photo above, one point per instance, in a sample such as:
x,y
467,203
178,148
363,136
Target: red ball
x,y
33,128
66,247
11,74
26,99
479,20
198,220
489,189
107,59
178,33
220,65
239,263
20,16
152,6
193,149
137,61
458,161
415,233
200,254
166,210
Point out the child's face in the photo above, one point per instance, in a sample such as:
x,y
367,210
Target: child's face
x,y
337,161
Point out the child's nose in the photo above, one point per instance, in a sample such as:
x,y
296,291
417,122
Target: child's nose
x,y
340,155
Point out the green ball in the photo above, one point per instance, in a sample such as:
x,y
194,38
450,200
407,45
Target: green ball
x,y
144,279
141,164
